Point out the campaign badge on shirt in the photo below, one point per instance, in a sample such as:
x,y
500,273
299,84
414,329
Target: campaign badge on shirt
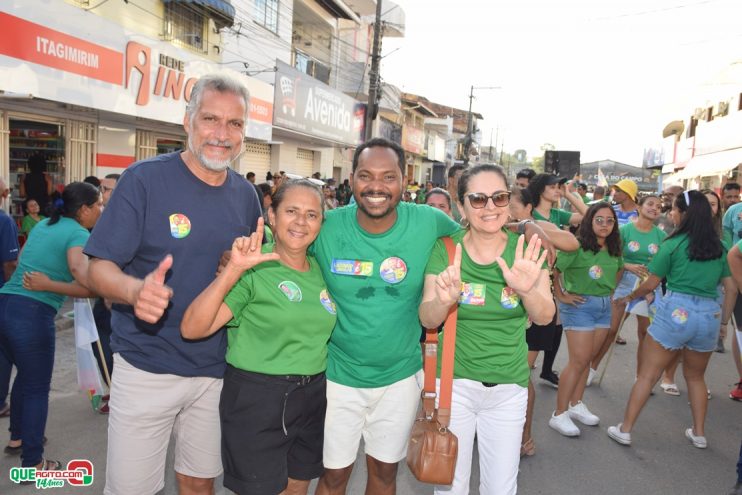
x,y
473,294
508,298
180,225
653,248
595,272
324,298
679,316
633,246
290,290
393,270
355,268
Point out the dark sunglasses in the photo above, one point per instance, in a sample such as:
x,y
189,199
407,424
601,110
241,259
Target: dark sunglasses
x,y
479,200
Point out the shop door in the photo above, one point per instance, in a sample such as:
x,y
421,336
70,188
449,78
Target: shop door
x,y
257,159
82,149
36,144
304,163
146,145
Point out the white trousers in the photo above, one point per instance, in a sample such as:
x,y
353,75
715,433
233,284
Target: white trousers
x,y
496,416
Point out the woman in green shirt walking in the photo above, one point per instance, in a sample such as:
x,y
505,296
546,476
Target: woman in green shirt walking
x,y
590,276
689,316
640,242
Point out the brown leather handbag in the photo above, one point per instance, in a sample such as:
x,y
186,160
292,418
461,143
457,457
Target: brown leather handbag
x,y
433,449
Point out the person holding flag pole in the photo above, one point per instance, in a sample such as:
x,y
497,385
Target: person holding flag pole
x,y
640,242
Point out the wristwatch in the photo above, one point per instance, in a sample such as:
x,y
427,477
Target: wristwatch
x,y
521,229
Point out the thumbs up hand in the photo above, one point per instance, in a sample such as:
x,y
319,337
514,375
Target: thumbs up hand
x,y
153,296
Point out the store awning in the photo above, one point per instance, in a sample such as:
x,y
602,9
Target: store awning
x,y
712,164
220,10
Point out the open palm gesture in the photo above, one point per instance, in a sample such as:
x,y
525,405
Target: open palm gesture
x,y
246,251
448,282
526,269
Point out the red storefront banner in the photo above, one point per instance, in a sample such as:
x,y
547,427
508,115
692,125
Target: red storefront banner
x,y
38,44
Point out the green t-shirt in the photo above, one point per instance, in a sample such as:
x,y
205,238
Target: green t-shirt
x,y
45,251
587,273
698,278
282,320
558,217
491,325
639,247
29,223
376,280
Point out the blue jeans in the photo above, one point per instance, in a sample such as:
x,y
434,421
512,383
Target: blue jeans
x,y
27,339
594,313
739,466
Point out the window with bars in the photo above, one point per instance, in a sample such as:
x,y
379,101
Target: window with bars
x,y
266,14
184,26
309,65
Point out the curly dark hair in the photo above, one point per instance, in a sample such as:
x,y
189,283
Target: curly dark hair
x,y
704,243
586,234
380,143
536,187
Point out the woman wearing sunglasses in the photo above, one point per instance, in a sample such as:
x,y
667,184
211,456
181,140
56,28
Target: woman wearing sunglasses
x,y
590,276
640,242
498,282
689,317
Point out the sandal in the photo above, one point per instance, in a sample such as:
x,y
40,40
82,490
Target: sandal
x,y
620,341
46,465
528,448
670,389
10,450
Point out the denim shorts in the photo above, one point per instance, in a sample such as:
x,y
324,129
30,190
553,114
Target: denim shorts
x,y
594,313
628,283
684,320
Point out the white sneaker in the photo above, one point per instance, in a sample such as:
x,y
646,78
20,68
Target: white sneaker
x,y
564,425
616,434
591,376
581,413
697,441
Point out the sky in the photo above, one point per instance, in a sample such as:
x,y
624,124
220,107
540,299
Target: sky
x,y
602,77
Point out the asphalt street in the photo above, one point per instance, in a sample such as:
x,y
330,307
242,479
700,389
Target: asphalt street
x,y
660,461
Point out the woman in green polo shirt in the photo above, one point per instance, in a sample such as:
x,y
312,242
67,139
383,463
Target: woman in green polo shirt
x,y
497,285
689,316
590,276
640,242
279,315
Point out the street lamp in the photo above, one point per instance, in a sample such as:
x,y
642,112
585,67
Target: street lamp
x,y
470,122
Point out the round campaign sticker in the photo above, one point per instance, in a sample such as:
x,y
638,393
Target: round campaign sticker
x,y
290,290
324,298
180,226
679,316
508,298
653,248
595,272
393,270
633,246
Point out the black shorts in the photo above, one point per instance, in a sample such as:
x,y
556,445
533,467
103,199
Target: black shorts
x,y
272,429
541,337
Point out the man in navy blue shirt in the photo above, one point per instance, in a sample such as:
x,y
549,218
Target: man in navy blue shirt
x,y
155,248
8,257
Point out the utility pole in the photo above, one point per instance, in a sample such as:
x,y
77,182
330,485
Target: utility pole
x,y
373,75
470,123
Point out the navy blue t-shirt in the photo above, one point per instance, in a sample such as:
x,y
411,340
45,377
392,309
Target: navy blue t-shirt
x,y
8,241
159,208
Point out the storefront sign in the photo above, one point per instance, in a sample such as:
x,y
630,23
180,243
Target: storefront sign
x,y
306,105
105,67
413,139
